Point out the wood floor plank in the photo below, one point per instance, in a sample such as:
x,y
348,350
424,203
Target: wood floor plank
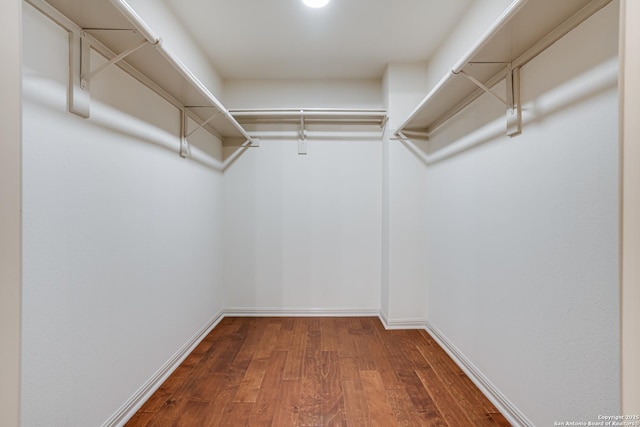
x,y
422,402
284,340
236,414
308,372
333,411
141,419
193,414
264,408
386,363
293,365
355,404
475,406
329,335
310,414
403,409
251,382
499,419
299,335
268,341
349,367
346,344
287,405
380,412
217,408
176,381
445,402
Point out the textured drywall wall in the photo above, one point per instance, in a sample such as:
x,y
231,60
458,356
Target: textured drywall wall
x,y
10,212
404,204
303,231
347,93
122,238
523,233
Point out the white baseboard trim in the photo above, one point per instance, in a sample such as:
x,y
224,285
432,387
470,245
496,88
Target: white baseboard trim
x,y
395,324
136,401
508,409
300,312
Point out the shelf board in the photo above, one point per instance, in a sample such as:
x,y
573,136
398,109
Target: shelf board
x,y
525,29
114,32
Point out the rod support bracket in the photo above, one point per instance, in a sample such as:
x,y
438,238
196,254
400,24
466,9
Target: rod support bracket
x,y
79,97
87,73
512,101
302,140
514,109
184,143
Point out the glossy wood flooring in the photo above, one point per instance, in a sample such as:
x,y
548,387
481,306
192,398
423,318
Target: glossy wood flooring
x,y
317,372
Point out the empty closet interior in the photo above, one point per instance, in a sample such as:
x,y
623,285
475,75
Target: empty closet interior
x,y
472,192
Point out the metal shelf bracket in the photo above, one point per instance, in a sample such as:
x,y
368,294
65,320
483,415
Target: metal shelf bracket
x,y
302,139
201,125
80,73
79,54
87,74
514,107
184,143
512,102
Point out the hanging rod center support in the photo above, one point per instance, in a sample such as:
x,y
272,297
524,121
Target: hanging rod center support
x,y
302,141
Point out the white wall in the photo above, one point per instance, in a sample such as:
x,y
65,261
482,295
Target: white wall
x,y
404,204
10,207
302,232
347,93
122,252
523,233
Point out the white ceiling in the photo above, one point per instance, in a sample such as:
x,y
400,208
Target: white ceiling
x,y
284,39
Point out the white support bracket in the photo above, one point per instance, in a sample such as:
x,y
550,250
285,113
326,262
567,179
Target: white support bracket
x,y
184,143
302,139
514,111
201,125
80,73
185,133
87,74
79,54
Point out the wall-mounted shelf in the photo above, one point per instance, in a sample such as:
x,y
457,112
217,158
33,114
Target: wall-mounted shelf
x,y
522,32
113,29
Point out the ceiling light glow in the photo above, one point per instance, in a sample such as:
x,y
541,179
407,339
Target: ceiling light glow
x,y
316,3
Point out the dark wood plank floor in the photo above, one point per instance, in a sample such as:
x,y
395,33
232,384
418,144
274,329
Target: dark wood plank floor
x,y
317,372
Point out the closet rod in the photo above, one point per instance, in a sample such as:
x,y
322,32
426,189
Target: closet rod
x,y
337,115
308,112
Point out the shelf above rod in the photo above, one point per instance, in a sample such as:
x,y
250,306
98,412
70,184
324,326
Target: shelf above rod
x,y
523,31
114,30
